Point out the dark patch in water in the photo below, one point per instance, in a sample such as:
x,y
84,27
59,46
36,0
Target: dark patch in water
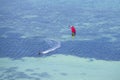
x,y
43,74
98,49
29,70
16,48
13,35
84,74
12,69
4,30
91,59
13,74
64,74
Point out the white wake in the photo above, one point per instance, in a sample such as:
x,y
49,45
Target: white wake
x,y
53,44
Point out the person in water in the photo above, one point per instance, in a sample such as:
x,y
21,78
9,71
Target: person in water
x,y
73,30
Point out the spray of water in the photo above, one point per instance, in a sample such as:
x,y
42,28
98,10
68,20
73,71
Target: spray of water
x,y
53,44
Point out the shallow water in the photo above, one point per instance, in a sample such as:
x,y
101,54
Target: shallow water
x,y
30,27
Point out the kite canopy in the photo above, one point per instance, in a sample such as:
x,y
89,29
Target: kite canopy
x,y
73,30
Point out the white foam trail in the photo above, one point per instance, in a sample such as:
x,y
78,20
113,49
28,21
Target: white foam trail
x,y
54,44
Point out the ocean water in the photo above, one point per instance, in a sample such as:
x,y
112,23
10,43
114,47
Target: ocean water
x,y
30,27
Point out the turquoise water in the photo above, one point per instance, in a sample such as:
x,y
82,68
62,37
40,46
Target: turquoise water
x,y
32,26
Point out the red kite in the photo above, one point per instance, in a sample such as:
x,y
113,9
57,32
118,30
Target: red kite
x,y
73,30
